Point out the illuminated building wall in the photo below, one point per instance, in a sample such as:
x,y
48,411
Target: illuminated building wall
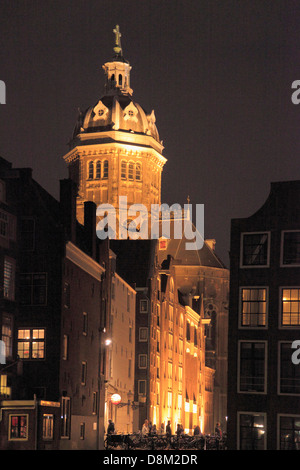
x,y
121,355
177,360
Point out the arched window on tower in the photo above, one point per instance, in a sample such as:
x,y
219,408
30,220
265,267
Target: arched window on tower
x,y
130,171
120,79
105,169
91,170
98,170
112,79
123,170
138,174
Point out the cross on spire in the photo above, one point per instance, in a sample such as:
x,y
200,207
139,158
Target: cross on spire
x,y
118,47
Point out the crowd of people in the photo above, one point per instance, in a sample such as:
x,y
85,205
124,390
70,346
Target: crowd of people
x,y
149,429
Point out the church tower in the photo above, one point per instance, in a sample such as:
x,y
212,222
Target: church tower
x,y
115,149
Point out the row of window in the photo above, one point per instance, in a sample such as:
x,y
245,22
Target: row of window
x,y
252,433
19,423
254,307
32,286
255,249
129,170
98,170
253,367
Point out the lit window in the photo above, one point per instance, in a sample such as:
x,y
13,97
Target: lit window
x,y
105,169
98,170
123,170
289,428
138,175
65,417
290,306
291,248
289,372
65,347
252,431
91,170
9,279
7,334
18,427
130,171
252,364
48,422
5,389
255,249
31,343
253,306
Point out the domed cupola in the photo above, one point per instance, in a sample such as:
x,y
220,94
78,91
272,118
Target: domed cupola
x,y
116,110
115,150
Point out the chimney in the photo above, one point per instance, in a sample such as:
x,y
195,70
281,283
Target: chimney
x,y
68,193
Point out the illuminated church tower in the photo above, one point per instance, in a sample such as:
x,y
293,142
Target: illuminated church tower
x,y
115,149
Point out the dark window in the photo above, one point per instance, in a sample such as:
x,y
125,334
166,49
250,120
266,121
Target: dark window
x,y
252,432
252,367
289,433
289,372
188,331
291,248
255,249
67,295
27,234
33,289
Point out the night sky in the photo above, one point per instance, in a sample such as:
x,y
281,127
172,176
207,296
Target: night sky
x,y
217,73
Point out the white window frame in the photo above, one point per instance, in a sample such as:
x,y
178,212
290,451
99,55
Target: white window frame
x,y
254,413
250,392
259,266
283,415
140,356
279,369
281,250
280,326
141,339
246,327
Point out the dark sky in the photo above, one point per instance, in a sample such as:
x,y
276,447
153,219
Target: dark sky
x,y
217,73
